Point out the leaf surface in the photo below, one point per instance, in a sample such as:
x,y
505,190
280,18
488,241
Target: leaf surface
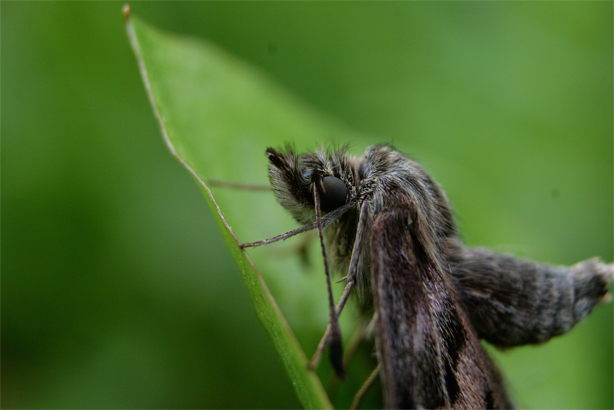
x,y
217,115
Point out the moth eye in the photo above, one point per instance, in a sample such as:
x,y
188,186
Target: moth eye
x,y
333,193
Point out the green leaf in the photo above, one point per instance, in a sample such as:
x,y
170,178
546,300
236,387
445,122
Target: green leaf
x,y
218,115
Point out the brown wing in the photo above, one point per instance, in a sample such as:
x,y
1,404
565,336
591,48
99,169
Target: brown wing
x,y
430,356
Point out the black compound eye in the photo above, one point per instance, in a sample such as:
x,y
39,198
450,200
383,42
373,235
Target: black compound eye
x,y
333,193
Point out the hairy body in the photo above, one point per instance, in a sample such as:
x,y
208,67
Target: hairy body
x,y
433,296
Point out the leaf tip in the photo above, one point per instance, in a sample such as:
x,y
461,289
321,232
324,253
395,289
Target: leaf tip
x,y
126,12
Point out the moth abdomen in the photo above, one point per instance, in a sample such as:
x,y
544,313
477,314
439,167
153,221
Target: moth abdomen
x,y
514,301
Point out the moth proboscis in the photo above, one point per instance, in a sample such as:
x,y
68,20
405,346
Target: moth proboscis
x,y
389,229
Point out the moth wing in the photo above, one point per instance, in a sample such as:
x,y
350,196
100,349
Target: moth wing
x,y
430,357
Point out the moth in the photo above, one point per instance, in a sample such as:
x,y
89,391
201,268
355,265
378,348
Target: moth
x,y
388,227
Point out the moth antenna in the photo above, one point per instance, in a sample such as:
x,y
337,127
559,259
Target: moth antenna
x,y
335,342
238,185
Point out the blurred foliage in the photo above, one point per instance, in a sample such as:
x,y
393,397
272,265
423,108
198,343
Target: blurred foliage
x,y
117,290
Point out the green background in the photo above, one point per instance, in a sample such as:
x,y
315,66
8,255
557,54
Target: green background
x,y
117,290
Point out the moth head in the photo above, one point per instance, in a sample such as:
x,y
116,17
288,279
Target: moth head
x,y
295,179
333,193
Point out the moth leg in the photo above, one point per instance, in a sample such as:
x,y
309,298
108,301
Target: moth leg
x,y
315,359
363,332
350,278
326,220
512,301
358,248
357,337
335,343
301,248
363,389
